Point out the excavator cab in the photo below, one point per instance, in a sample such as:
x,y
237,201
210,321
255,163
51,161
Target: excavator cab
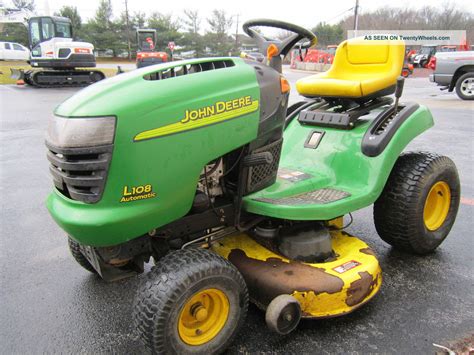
x,y
52,45
42,29
147,53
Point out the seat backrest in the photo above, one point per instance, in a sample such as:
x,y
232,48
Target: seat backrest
x,y
363,53
360,56
361,69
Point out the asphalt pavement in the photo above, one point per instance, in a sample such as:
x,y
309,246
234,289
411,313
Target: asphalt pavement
x,y
50,305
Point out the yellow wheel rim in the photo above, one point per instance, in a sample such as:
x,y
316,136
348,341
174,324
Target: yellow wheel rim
x,y
437,205
203,316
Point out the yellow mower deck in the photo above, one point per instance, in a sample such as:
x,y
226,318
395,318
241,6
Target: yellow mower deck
x,y
323,289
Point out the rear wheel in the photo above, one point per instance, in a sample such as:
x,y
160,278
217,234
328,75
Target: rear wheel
x,y
465,86
193,301
419,203
76,253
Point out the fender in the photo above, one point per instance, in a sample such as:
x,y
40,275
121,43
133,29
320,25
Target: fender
x,y
346,165
415,120
383,128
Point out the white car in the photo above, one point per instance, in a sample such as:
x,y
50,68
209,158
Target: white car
x,y
13,51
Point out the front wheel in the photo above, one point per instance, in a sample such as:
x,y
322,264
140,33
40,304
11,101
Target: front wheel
x,y
419,203
465,86
192,302
75,249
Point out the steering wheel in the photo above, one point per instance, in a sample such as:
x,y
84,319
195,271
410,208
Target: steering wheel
x,y
284,46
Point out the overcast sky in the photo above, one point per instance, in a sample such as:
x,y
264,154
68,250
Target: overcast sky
x,y
304,12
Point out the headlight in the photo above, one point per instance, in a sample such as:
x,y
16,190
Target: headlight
x,y
80,132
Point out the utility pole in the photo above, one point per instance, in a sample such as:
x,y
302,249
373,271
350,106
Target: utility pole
x,y
356,18
128,31
237,35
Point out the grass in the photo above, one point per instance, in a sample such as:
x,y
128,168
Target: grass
x,y
5,72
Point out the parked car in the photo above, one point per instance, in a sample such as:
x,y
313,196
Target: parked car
x,y
455,70
13,51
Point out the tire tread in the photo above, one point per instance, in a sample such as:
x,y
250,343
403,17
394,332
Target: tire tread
x,y
169,279
397,211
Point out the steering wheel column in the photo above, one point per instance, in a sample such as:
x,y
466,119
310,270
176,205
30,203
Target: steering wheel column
x,y
275,50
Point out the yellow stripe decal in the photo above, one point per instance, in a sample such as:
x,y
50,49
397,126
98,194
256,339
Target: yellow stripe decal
x,y
193,119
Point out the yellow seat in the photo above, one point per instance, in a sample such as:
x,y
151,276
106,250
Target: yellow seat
x,y
361,68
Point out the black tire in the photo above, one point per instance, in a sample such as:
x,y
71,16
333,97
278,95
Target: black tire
x,y
75,249
461,89
172,283
399,211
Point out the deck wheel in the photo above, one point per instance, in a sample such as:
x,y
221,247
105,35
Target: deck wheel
x,y
283,314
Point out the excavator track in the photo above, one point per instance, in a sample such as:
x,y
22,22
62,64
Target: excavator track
x,y
62,78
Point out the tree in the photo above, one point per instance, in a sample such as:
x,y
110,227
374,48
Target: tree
x,y
14,32
218,40
192,21
328,34
193,42
104,13
166,28
448,17
139,19
192,39
102,31
219,22
71,13
135,21
24,4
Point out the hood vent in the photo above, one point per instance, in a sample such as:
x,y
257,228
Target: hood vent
x,y
187,69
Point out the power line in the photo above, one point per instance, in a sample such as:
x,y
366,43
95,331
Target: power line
x,y
342,13
237,34
128,30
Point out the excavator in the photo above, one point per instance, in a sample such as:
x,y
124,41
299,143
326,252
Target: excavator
x,y
56,59
147,53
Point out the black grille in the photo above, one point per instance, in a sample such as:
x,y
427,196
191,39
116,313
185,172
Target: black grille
x,y
64,52
261,176
80,173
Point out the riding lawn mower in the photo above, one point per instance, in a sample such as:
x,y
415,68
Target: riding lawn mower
x,y
201,166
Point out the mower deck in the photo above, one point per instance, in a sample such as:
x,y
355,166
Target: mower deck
x,y
323,290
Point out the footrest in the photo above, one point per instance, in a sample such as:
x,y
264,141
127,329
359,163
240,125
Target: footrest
x,y
326,119
320,196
